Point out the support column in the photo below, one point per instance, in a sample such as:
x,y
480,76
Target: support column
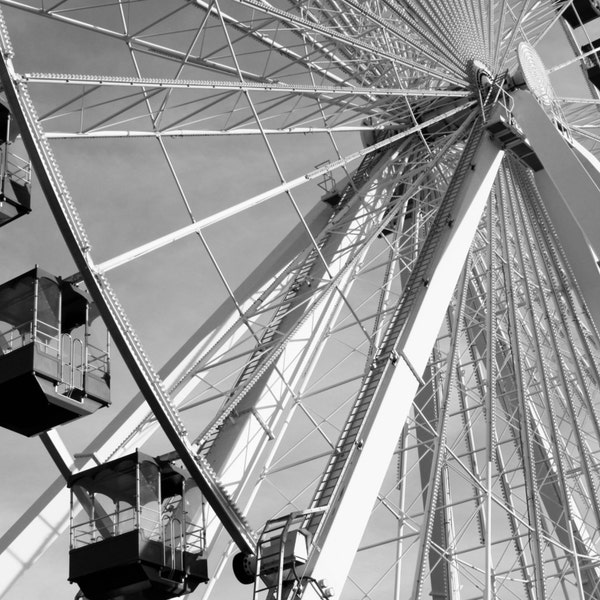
x,y
570,194
339,534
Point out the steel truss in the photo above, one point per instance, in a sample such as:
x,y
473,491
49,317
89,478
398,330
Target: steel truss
x,y
415,364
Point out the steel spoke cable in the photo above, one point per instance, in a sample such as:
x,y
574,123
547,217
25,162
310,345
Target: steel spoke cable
x,y
525,421
331,136
499,454
516,27
265,7
157,50
283,49
559,257
282,179
182,133
437,26
239,397
558,13
276,351
54,115
190,229
389,28
558,457
590,466
199,233
162,108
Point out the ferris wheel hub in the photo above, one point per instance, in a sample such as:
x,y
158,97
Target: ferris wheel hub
x,y
533,75
481,74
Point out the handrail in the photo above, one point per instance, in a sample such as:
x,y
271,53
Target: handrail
x,y
190,539
176,543
75,367
66,350
17,169
76,355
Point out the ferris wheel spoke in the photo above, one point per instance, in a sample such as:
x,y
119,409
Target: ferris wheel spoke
x,y
155,50
182,133
351,100
439,20
400,38
514,32
288,88
569,529
251,202
285,49
227,443
347,55
537,444
157,118
302,24
546,21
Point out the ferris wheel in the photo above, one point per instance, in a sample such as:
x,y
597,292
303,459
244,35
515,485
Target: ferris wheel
x,y
362,238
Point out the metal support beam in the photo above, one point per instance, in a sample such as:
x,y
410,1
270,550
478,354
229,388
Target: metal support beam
x,y
342,527
570,194
243,447
231,450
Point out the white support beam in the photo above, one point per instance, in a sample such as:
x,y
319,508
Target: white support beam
x,y
250,86
349,511
571,195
